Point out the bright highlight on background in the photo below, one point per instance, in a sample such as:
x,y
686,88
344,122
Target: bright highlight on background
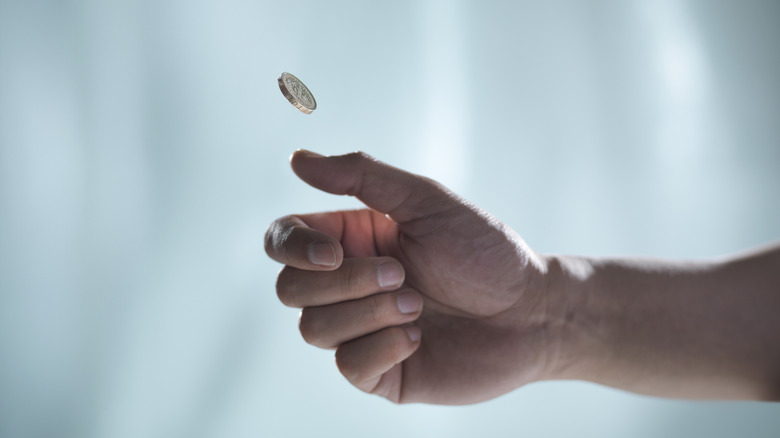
x,y
143,151
445,136
683,86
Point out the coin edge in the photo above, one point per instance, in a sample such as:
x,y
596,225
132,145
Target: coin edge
x,y
291,98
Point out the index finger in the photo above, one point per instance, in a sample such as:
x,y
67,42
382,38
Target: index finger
x,y
404,196
291,242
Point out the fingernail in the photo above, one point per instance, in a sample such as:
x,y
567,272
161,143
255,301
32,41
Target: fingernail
x,y
409,302
322,254
390,274
414,332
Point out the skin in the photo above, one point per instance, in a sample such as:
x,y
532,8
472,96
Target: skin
x,y
427,298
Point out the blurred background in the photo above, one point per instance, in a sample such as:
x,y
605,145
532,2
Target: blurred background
x,y
143,152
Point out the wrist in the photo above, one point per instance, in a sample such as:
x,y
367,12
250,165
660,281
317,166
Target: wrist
x,y
575,331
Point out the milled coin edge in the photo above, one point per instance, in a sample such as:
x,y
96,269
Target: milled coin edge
x,y
291,98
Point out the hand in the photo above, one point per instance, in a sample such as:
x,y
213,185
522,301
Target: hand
x,y
425,297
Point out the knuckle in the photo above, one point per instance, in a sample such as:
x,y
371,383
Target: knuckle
x,y
277,235
346,366
268,239
358,156
397,342
436,190
309,328
432,185
372,309
285,290
358,160
349,280
271,237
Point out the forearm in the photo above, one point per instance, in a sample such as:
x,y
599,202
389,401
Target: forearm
x,y
672,329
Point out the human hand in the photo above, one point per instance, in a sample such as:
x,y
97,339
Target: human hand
x,y
425,297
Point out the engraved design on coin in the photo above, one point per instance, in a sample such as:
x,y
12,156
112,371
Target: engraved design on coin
x,y
297,93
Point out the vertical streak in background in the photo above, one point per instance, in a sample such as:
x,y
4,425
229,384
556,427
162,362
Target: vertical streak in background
x,y
41,203
683,83
445,129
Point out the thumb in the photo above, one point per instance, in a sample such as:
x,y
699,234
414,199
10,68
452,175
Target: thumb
x,y
401,195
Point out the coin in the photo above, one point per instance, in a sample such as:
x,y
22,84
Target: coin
x,y
297,93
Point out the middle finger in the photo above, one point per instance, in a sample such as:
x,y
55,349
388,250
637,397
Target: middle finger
x,y
355,278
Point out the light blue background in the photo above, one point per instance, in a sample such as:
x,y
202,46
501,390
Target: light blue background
x,y
143,152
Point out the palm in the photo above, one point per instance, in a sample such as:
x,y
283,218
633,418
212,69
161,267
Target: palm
x,y
474,277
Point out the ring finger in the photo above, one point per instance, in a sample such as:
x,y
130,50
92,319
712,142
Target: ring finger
x,y
330,326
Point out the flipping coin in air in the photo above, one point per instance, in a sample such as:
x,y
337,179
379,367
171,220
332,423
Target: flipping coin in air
x,y
297,93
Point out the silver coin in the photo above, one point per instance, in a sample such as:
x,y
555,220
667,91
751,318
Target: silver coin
x,y
297,93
